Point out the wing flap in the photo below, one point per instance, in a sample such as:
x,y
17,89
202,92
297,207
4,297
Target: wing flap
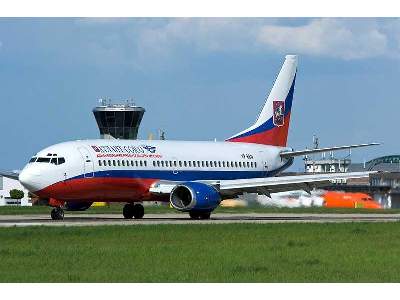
x,y
284,183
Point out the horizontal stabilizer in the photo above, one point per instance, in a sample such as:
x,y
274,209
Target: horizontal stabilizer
x,y
288,154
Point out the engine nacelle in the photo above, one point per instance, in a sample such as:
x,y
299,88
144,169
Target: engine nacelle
x,y
195,196
77,206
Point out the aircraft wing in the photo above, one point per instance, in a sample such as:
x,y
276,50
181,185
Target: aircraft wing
x,y
265,186
271,185
318,150
10,174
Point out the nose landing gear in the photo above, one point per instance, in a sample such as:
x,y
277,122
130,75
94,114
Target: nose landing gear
x,y
57,213
132,210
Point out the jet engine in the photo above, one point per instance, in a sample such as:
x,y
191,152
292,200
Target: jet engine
x,y
195,196
77,206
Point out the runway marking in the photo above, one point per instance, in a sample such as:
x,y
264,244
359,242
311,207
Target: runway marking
x,y
170,218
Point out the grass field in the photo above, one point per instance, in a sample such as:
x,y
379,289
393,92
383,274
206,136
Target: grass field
x,y
117,209
354,252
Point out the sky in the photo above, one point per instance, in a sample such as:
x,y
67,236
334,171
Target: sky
x,y
198,78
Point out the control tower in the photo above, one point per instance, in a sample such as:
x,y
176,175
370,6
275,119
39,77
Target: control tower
x,y
118,121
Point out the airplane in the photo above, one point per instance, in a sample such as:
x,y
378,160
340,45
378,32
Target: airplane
x,y
194,176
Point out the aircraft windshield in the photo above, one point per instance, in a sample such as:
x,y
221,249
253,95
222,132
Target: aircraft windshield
x,y
52,160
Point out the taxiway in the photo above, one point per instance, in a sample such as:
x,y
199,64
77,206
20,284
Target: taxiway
x,y
172,218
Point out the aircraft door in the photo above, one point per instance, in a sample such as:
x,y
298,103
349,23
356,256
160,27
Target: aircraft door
x,y
88,168
264,163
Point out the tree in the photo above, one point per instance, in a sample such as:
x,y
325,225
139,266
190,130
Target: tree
x,y
16,194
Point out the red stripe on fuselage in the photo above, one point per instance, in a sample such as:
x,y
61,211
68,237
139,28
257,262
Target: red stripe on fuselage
x,y
276,136
102,189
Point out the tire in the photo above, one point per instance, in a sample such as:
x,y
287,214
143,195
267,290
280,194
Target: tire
x,y
57,213
128,211
194,215
138,211
205,216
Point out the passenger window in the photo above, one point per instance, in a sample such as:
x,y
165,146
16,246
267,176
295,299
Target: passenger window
x,y
141,163
223,164
207,164
136,163
189,163
145,163
202,163
118,162
184,163
158,163
180,163
123,163
175,163
109,163
248,164
236,164
114,163
255,165
240,164
99,161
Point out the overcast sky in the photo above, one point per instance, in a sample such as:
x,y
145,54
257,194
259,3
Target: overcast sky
x,y
198,79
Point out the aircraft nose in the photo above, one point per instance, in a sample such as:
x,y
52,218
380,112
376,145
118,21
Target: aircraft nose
x,y
29,179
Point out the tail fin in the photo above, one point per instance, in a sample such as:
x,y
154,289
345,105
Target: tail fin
x,y
272,125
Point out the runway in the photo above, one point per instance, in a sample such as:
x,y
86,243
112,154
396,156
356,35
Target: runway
x,y
176,218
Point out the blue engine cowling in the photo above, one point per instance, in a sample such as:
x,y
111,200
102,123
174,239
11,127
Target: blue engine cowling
x,y
195,196
77,206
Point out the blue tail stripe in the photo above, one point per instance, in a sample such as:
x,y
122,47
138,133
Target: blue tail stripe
x,y
269,124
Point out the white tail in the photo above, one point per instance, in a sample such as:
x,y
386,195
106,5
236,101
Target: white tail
x,y
272,125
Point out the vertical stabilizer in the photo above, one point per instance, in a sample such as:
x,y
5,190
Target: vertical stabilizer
x,y
272,125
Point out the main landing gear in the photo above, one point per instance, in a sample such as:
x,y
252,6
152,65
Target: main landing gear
x,y
57,213
132,210
197,215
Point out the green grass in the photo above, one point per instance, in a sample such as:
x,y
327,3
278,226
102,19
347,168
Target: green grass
x,y
116,208
353,252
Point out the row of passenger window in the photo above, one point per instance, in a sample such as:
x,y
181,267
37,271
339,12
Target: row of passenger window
x,y
205,164
175,164
123,163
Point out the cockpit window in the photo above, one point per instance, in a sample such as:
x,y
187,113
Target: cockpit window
x,y
33,159
43,159
52,160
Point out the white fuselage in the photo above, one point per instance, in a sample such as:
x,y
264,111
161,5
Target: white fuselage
x,y
124,170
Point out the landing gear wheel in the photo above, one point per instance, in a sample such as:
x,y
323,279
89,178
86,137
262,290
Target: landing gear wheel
x,y
57,213
196,215
138,211
128,211
205,216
